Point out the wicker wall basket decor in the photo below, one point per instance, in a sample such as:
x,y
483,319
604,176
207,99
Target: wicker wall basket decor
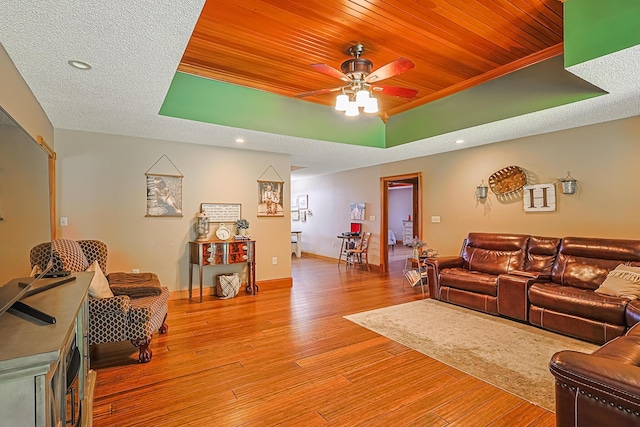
x,y
507,180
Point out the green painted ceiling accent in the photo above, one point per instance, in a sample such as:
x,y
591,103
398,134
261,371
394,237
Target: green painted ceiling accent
x,y
210,101
540,86
594,28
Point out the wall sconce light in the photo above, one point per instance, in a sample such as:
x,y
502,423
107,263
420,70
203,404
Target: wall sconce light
x,y
481,191
569,184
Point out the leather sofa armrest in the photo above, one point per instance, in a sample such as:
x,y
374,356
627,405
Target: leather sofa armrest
x,y
434,265
535,275
120,303
603,377
633,313
445,262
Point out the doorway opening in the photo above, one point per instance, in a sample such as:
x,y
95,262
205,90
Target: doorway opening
x,y
401,201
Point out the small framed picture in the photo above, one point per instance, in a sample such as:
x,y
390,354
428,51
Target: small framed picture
x,y
303,202
357,211
303,216
295,216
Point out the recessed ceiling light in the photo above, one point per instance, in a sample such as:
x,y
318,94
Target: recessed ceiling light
x,y
80,65
239,140
459,141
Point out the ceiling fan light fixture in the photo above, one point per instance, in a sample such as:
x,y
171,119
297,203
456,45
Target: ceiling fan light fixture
x,y
352,109
341,102
372,105
362,96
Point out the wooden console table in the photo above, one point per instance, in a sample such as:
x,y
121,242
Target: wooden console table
x,y
221,253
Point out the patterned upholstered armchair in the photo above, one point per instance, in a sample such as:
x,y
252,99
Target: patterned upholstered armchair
x,y
112,319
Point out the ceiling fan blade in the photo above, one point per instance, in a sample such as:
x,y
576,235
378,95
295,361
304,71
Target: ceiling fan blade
x,y
394,68
330,71
317,92
395,91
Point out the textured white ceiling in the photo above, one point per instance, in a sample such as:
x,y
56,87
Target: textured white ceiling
x,y
135,46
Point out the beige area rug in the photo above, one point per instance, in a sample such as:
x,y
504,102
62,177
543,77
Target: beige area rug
x,y
502,352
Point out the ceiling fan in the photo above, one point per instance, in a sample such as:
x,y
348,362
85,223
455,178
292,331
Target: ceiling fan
x,y
360,82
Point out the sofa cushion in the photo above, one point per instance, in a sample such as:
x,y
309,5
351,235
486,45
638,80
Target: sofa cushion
x,y
581,272
623,281
579,302
472,281
585,262
541,254
492,261
495,253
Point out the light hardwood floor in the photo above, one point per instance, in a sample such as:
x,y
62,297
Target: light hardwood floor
x,y
288,357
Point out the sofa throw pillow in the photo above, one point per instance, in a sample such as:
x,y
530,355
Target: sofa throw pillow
x,y
99,287
71,255
623,281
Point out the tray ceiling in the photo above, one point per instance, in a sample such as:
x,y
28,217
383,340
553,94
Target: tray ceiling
x,y
270,44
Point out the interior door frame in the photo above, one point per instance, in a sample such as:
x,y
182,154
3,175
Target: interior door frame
x,y
384,220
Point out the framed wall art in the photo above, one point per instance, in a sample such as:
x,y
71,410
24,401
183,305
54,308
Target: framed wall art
x,y
357,211
295,215
270,198
222,212
303,202
164,195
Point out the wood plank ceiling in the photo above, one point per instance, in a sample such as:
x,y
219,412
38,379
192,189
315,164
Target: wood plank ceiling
x,y
455,44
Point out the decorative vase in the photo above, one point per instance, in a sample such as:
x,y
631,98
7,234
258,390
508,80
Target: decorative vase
x,y
416,253
242,231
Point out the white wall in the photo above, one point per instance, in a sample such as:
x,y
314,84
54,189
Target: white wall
x,y
329,200
400,208
102,191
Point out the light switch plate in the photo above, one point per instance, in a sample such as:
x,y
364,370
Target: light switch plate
x,y
435,218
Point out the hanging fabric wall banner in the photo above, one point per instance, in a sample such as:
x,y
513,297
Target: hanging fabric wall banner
x,y
270,194
164,192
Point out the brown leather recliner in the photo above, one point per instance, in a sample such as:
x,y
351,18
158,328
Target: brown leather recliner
x,y
471,280
602,388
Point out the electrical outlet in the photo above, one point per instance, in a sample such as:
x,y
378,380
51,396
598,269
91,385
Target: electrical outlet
x,y
135,270
274,260
64,221
372,218
435,218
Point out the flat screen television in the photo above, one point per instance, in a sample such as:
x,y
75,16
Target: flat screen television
x,y
25,219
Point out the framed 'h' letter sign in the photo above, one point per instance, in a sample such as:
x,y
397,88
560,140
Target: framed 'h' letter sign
x,y
539,198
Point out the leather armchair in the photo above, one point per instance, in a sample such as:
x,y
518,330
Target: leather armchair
x,y
113,319
602,388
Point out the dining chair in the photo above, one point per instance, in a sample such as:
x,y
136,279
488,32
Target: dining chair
x,y
360,254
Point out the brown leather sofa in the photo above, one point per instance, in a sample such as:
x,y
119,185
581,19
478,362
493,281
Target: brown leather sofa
x,y
568,304
602,388
546,281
